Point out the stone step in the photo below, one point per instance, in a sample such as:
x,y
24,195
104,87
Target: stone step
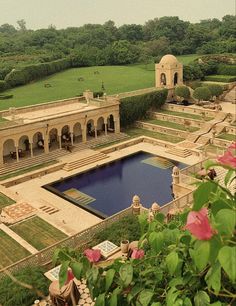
x,y
84,161
182,152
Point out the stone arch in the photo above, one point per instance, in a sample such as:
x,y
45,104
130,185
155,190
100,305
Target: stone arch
x,y
90,127
9,149
100,124
23,145
65,133
53,139
77,132
110,123
163,79
175,78
38,143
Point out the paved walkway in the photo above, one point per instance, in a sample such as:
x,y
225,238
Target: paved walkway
x,y
20,240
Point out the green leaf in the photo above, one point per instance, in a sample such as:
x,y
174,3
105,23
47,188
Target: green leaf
x,y
77,268
172,262
187,302
63,273
226,221
55,256
201,299
160,217
113,300
100,301
215,246
201,195
209,164
171,296
126,274
213,277
145,296
185,239
109,278
218,205
156,304
227,259
228,176
201,254
156,241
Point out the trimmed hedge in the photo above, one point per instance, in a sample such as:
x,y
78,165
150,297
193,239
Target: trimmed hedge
x,y
3,86
220,78
33,72
226,69
5,97
135,107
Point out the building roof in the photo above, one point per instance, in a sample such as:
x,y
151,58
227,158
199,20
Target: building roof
x,y
169,59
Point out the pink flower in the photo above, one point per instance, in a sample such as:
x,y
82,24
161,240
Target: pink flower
x,y
228,159
70,276
137,253
92,255
198,224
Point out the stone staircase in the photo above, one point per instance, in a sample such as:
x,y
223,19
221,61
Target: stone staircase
x,y
182,152
91,158
48,209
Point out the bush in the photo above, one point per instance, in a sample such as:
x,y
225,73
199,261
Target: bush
x,y
98,93
202,93
14,294
215,89
3,86
5,97
220,78
182,91
226,69
135,107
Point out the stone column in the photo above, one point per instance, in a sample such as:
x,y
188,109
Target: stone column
x,y
17,153
105,129
96,132
46,146
71,138
117,125
84,136
1,155
31,149
59,139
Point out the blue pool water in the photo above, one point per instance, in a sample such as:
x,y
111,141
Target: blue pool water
x,y
114,185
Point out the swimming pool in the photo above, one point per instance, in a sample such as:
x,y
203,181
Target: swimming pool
x,y
110,188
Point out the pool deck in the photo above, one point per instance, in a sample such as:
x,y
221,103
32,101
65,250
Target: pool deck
x,y
68,217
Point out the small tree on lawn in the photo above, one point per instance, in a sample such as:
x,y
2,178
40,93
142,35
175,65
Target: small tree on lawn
x,y
202,93
215,89
182,91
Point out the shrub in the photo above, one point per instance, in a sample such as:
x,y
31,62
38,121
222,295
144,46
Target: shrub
x,y
226,69
135,107
215,89
12,293
182,91
5,97
202,93
220,78
3,86
98,93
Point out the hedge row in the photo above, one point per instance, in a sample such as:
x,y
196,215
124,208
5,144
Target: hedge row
x,y
226,69
135,108
33,72
220,78
3,86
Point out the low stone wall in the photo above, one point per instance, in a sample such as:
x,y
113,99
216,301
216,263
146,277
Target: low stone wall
x,y
221,142
33,174
189,110
40,106
230,129
176,119
161,129
184,201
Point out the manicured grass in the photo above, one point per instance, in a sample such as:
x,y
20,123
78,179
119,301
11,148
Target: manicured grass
x,y
229,137
185,115
5,201
220,78
10,250
25,170
38,232
172,125
213,149
135,132
186,59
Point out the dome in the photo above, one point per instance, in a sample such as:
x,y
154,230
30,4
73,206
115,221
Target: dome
x,y
155,207
169,59
136,198
175,170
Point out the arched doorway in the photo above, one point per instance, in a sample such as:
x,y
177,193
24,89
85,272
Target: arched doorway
x,y
163,79
110,124
38,143
65,134
9,150
100,126
90,128
24,146
77,132
175,78
53,139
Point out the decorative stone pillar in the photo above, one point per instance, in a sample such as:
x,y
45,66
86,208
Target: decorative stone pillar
x,y
71,138
136,205
117,125
175,175
84,136
105,129
96,132
59,139
31,149
155,208
46,144
1,154
17,153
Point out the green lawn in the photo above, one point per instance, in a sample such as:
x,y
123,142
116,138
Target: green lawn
x,y
5,201
226,136
135,132
10,250
25,170
38,232
185,115
172,125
